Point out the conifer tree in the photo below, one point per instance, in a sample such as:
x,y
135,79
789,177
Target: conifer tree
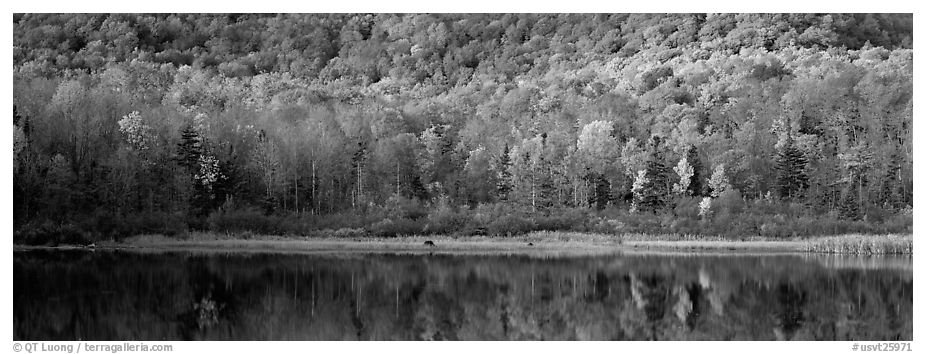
x,y
503,181
189,156
653,188
602,188
189,149
695,185
848,203
546,190
891,188
790,165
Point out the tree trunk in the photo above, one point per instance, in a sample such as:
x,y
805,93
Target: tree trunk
x,y
314,197
296,192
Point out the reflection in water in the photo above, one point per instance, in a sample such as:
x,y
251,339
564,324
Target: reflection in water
x,y
61,295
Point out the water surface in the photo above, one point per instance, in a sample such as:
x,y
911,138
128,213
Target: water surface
x,y
116,295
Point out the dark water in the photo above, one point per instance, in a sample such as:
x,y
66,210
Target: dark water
x,y
107,295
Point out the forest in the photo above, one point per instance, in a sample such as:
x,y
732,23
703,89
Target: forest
x,y
775,125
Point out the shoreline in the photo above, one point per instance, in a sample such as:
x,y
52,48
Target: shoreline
x,y
537,243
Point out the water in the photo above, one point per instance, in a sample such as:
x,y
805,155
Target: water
x,y
112,295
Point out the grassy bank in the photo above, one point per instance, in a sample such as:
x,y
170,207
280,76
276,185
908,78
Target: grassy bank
x,y
731,220
536,242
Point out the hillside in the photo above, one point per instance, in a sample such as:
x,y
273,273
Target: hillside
x,y
778,124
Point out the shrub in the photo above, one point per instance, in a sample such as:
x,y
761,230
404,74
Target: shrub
x,y
446,221
399,227
346,233
729,201
48,233
152,223
687,207
399,207
241,220
509,225
562,220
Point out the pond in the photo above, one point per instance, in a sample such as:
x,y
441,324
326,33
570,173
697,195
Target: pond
x,y
120,295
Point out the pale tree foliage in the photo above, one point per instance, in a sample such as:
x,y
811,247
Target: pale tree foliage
x,y
201,122
855,159
209,172
596,146
196,88
718,181
633,157
684,172
704,207
639,185
477,162
137,133
115,78
68,97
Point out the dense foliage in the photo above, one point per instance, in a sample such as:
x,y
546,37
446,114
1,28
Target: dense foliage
x,y
405,122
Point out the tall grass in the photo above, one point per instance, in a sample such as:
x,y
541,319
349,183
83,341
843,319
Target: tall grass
x,y
862,244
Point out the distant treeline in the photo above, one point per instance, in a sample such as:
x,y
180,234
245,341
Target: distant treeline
x,y
683,117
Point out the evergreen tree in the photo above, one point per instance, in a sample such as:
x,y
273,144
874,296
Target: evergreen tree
x,y
503,181
546,190
848,203
602,191
891,189
16,116
695,185
189,149
652,187
790,165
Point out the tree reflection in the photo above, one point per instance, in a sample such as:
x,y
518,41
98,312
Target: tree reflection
x,y
129,296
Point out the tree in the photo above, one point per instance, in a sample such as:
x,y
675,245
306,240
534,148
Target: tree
x,y
434,158
189,149
651,187
695,184
598,151
266,159
502,168
684,172
480,180
718,182
790,165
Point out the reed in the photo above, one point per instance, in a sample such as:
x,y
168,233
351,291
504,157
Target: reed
x,y
861,244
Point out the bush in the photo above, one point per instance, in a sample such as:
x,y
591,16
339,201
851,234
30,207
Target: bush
x,y
399,207
900,223
562,220
50,234
399,227
242,220
687,207
338,220
445,221
730,202
152,223
509,225
346,233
